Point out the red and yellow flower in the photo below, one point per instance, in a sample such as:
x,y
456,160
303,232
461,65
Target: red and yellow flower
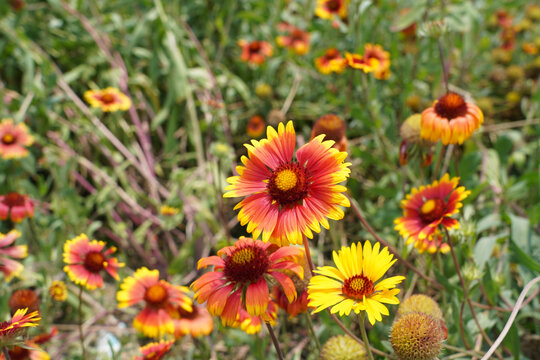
x,y
333,128
380,60
13,140
427,208
58,290
294,308
328,9
451,119
160,299
255,52
252,324
167,210
86,260
8,266
432,244
155,350
239,277
255,127
197,322
10,331
16,207
109,99
331,61
287,199
296,40
357,61
30,351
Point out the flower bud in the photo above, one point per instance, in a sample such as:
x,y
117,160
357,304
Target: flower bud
x,y
342,347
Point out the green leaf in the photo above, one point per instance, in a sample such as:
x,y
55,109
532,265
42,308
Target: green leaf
x,y
483,250
521,257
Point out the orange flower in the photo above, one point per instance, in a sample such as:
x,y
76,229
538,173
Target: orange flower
x,y
10,331
287,199
109,99
13,139
294,308
428,207
239,277
530,48
297,40
58,290
252,324
432,244
255,52
357,61
8,266
381,66
451,119
23,299
255,127
167,210
15,207
334,129
327,9
197,322
331,61
155,350
159,297
86,260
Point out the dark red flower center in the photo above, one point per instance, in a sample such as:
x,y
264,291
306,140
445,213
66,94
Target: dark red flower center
x,y
246,264
8,139
14,199
331,54
330,125
94,261
24,299
432,209
107,98
156,295
19,353
190,315
333,5
288,184
297,34
451,106
357,287
255,47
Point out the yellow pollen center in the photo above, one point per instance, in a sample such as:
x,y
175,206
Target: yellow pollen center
x,y
286,180
155,294
242,256
8,139
357,284
428,206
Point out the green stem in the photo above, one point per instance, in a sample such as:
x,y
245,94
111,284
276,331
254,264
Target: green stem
x,y
81,335
312,331
361,318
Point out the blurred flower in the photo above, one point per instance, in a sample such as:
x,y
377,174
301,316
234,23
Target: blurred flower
x,y
252,324
416,336
351,284
343,347
23,299
45,337
430,206
16,207
109,99
255,127
10,331
293,308
295,196
515,72
381,67
239,277
155,350
530,48
327,9
414,103
30,351
412,142
532,11
357,61
196,322
255,52
297,40
168,210
86,259
263,90
410,30
501,56
432,244
333,128
13,139
451,119
10,267
504,19
331,61
16,5
159,297
508,37
58,290
513,97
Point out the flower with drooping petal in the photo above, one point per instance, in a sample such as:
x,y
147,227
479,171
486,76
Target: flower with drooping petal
x,y
86,260
334,129
372,52
155,350
331,61
13,139
255,52
255,127
8,266
357,61
328,9
451,119
11,331
431,206
108,100
159,298
58,290
296,40
294,308
352,284
239,277
287,199
16,207
197,322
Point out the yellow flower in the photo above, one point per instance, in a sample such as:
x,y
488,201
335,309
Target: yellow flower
x,y
168,210
109,99
58,290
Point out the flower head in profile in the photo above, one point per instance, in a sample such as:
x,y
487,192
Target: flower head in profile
x,y
108,100
427,208
8,266
13,139
16,207
11,331
155,350
252,324
287,199
197,322
255,127
352,284
58,290
167,210
295,39
374,54
359,62
328,9
159,298
87,259
451,119
239,278
255,52
331,61
298,306
333,128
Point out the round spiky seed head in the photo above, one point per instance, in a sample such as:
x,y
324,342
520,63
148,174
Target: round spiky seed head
x,y
342,347
419,303
410,129
416,336
264,91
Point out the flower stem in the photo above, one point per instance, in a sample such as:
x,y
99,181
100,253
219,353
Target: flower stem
x,y
444,65
312,331
361,318
6,353
308,254
275,341
81,336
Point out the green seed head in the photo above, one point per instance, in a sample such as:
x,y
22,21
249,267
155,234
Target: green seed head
x,y
422,304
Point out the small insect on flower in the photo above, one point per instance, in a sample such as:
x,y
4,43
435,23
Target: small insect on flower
x,y
255,52
108,100
58,290
8,266
155,350
16,207
13,139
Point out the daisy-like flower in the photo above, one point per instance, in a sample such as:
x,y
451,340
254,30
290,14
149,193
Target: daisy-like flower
x,y
16,207
86,260
13,140
197,322
328,9
427,207
351,285
287,199
10,331
372,52
357,61
451,119
334,129
159,297
331,61
252,324
58,290
239,277
155,350
255,127
8,266
108,100
297,40
294,308
255,52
